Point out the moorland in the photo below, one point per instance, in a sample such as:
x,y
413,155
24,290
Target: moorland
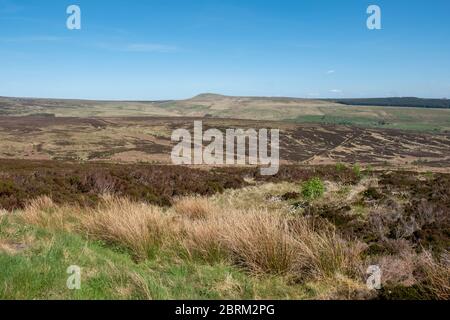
x,y
90,183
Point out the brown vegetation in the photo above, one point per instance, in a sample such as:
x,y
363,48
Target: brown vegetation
x,y
147,139
263,225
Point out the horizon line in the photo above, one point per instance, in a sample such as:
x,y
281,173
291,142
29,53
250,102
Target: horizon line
x,y
217,94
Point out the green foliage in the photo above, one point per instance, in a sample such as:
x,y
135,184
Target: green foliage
x,y
429,175
357,170
313,189
340,167
398,102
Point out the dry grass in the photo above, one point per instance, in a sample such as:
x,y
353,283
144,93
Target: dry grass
x,y
255,197
261,241
422,270
194,207
138,227
341,288
202,240
324,254
399,269
270,242
437,275
45,213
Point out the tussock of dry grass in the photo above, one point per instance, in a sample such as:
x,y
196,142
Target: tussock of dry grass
x,y
139,227
269,242
324,254
194,207
45,213
259,241
202,240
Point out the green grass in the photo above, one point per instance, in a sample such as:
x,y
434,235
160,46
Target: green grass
x,y
357,170
340,167
38,271
395,120
341,120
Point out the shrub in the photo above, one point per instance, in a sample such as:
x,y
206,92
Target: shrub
x,y
313,188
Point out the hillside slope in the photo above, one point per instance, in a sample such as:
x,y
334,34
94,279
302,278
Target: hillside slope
x,y
253,108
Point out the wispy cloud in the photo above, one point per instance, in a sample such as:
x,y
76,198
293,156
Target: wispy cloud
x,y
331,71
336,91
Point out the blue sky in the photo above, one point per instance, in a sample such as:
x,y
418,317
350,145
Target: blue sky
x,y
171,49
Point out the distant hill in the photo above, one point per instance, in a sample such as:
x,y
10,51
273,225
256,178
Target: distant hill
x,y
397,102
398,113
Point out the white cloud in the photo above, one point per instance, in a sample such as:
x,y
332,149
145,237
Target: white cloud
x,y
336,91
331,71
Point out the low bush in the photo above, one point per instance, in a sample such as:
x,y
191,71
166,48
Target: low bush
x,y
313,189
